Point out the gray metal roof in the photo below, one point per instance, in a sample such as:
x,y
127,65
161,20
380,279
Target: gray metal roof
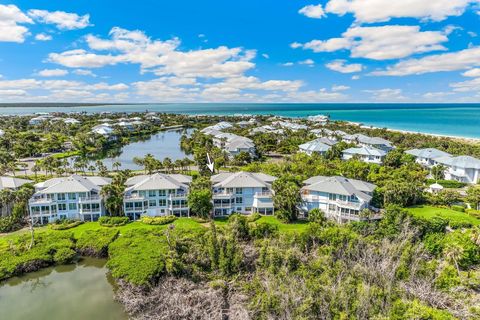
x,y
366,151
158,181
74,183
12,182
242,180
428,153
465,162
315,146
340,185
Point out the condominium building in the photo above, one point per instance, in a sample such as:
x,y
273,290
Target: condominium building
x,y
427,157
74,197
157,195
365,154
339,198
242,192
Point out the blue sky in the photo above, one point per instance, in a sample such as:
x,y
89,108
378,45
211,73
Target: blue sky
x,y
243,51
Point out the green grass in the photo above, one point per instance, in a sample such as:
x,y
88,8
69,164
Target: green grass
x,y
429,212
298,226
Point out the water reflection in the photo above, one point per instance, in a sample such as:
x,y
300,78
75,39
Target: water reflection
x,y
81,291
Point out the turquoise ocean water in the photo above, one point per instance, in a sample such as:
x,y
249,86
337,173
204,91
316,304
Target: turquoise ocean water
x,y
446,119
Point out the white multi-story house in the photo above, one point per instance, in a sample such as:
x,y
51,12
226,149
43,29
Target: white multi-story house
x,y
74,197
157,195
242,192
463,168
427,157
366,141
339,198
319,146
365,154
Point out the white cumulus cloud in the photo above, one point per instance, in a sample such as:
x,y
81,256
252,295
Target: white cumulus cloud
x,y
62,20
11,18
43,37
52,72
313,11
383,10
343,67
383,42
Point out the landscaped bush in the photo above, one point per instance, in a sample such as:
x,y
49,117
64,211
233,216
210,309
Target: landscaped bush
x,y
113,221
158,220
65,224
18,259
458,208
64,255
447,183
254,217
96,242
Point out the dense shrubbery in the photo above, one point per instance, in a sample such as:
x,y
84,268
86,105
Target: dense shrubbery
x,y
95,242
452,184
158,220
48,248
65,224
107,221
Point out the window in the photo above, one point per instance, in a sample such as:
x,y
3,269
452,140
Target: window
x,y
332,196
129,206
61,196
54,209
152,203
72,206
72,196
138,205
238,200
142,193
62,207
238,190
152,193
162,203
95,207
161,193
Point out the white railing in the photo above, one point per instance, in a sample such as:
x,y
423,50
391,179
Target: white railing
x,y
42,200
265,194
178,196
224,194
134,197
223,205
349,204
90,198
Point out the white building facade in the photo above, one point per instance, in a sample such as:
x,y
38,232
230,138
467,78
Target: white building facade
x,y
365,154
74,197
157,195
339,198
242,192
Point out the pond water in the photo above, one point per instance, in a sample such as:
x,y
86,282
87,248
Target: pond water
x,y
161,145
79,291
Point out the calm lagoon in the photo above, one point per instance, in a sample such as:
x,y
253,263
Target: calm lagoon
x,y
79,291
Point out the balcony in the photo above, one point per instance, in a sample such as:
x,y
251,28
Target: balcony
x,y
349,204
177,196
42,201
134,196
223,195
223,205
90,199
266,194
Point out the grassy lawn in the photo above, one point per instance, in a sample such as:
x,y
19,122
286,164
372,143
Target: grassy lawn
x,y
182,223
429,212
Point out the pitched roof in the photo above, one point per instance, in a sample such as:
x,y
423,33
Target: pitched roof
x,y
340,185
314,146
74,183
12,182
428,153
158,181
367,140
366,151
466,162
242,179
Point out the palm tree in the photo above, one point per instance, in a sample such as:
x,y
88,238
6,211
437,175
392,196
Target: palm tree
x,y
35,168
139,162
116,165
167,164
91,168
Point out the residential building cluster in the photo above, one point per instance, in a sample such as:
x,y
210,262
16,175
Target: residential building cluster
x,y
79,197
231,143
464,169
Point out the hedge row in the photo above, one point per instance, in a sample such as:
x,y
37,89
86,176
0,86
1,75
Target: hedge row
x,y
113,221
158,220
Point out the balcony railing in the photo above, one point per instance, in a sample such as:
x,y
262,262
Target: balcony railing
x,y
223,205
177,196
266,194
42,201
224,194
134,197
90,198
349,204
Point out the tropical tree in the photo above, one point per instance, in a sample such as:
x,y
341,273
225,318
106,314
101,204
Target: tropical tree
x,y
286,198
